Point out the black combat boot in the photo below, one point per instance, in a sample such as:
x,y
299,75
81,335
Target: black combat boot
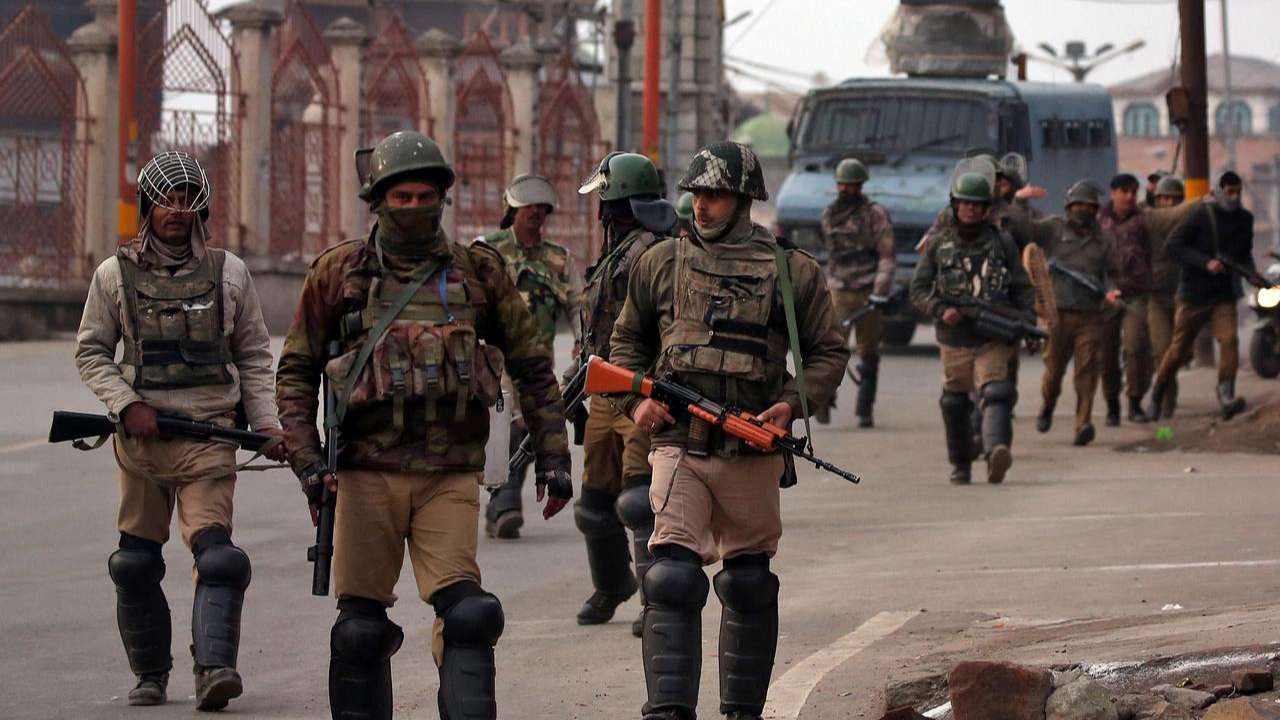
x,y
1044,421
1136,413
869,371
1159,399
671,648
956,419
1113,412
503,516
748,593
608,556
998,399
223,573
142,614
1084,435
1227,400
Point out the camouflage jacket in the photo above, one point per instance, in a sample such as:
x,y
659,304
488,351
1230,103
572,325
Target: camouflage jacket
x,y
859,241
1090,251
953,269
1017,218
711,315
607,289
547,280
337,287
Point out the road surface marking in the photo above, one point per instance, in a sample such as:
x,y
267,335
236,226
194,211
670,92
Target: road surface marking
x,y
1032,520
789,693
1212,564
19,447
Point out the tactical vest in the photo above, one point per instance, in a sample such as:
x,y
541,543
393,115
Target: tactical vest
x,y
721,316
972,269
178,339
430,354
606,289
538,275
852,253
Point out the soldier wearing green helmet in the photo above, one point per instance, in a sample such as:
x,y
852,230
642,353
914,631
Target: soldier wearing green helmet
x,y
858,236
551,286
419,363
967,261
1169,212
684,213
703,309
616,474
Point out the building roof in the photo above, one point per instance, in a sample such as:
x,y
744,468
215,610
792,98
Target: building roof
x,y
1248,75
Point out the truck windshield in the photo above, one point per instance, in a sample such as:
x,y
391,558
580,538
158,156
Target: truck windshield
x,y
897,123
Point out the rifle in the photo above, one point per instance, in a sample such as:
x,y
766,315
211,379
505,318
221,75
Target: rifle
x,y
573,398
887,303
1253,277
605,377
76,426
1076,277
997,324
322,552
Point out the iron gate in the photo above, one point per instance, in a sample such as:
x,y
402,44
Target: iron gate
x,y
393,82
569,150
482,143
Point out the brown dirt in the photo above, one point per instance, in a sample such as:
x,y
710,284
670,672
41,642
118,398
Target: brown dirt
x,y
1256,431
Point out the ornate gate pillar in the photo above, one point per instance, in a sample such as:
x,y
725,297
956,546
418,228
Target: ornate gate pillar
x,y
93,48
347,39
521,63
438,49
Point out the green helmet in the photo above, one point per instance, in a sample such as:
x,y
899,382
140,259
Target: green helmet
x,y
972,186
1013,167
623,175
684,206
728,166
399,154
1084,191
1170,186
851,170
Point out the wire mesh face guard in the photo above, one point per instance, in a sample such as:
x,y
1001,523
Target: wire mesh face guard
x,y
170,171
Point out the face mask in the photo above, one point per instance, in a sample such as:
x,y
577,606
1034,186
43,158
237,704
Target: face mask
x,y
409,232
1082,216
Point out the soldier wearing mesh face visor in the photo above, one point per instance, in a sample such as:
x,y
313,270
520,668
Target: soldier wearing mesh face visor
x,y
194,344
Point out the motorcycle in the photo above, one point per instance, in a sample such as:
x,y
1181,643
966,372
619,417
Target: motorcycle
x,y
1264,345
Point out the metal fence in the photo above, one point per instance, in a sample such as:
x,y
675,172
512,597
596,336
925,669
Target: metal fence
x,y
569,150
42,158
393,93
482,138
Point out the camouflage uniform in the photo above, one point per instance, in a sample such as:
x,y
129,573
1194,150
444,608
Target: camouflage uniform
x,y
709,313
413,434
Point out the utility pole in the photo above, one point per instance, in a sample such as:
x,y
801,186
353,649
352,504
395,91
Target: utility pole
x,y
127,159
652,77
624,36
673,87
1194,80
1228,129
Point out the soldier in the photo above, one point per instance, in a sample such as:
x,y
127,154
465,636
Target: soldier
x,y
1080,251
1126,325
616,474
971,259
1012,209
544,274
424,326
1170,193
684,214
1153,187
1216,231
724,335
860,261
195,345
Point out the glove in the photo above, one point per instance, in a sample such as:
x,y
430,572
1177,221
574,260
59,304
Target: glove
x,y
312,481
552,472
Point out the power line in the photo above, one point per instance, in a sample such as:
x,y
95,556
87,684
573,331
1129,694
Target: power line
x,y
751,25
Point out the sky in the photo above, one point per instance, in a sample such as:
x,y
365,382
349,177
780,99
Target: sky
x,y
833,36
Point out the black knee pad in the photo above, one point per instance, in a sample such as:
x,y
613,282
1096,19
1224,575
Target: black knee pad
x,y
1000,392
633,507
676,580
137,565
594,515
471,616
222,564
746,585
956,402
363,634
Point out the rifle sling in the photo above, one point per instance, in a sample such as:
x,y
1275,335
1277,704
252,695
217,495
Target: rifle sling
x,y
793,336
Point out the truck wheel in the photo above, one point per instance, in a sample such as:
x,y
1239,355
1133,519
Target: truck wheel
x,y
1262,352
898,333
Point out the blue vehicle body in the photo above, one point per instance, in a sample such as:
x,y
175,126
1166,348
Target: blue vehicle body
x,y
911,132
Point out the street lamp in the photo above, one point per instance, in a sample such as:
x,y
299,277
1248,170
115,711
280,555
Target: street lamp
x,y
1076,60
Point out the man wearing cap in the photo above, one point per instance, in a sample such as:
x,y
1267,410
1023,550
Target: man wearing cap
x,y
1208,293
195,345
860,262
544,274
616,474
968,259
424,328
1124,333
1079,250
708,310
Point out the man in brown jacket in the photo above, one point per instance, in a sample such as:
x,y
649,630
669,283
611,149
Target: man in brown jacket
x,y
195,345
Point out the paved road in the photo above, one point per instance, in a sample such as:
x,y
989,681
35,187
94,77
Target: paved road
x,y
872,576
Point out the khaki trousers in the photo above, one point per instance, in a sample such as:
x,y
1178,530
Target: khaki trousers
x,y
1160,312
869,329
1075,338
717,507
614,448
1126,336
968,369
1188,321
158,475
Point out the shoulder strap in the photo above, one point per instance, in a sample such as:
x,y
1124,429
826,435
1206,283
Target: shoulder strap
x,y
793,334
219,260
362,358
